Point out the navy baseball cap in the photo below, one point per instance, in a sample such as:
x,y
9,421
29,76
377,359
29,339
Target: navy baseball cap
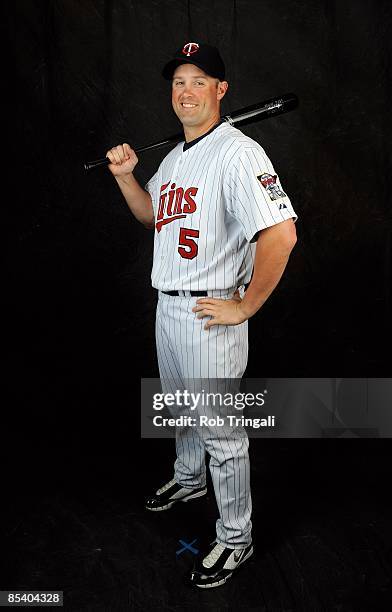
x,y
202,55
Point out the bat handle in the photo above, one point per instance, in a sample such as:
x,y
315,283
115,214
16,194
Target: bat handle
x,y
104,161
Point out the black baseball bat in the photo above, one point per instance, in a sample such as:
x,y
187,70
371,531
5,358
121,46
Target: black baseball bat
x,y
250,114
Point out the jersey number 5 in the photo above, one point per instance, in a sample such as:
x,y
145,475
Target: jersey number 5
x,y
189,247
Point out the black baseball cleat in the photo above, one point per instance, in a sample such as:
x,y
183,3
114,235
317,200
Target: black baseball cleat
x,y
216,566
170,494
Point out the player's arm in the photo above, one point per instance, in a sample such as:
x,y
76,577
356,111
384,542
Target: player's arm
x,y
273,249
123,161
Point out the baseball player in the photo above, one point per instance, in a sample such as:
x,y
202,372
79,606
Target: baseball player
x,y
224,230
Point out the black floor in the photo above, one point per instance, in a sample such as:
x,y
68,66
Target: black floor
x,y
322,528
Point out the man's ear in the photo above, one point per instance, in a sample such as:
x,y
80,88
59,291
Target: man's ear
x,y
221,89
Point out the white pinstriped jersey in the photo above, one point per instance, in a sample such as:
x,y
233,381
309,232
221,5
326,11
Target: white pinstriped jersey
x,y
209,203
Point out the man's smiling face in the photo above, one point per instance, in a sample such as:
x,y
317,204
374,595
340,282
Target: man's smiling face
x,y
196,96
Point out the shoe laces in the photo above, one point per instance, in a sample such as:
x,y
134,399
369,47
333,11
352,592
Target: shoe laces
x,y
214,555
165,487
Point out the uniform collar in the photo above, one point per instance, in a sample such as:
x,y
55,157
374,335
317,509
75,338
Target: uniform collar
x,y
188,145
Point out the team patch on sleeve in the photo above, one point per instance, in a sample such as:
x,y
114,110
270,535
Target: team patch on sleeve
x,y
269,183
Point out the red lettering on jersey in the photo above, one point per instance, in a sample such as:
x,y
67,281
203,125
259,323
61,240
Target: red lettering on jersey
x,y
164,187
171,205
190,205
161,208
171,197
179,196
168,220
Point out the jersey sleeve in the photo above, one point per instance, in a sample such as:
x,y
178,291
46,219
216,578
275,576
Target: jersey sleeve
x,y
254,194
150,186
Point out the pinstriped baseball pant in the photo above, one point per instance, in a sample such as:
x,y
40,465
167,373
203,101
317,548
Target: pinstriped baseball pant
x,y
190,357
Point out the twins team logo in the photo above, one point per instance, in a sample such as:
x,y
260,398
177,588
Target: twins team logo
x,y
190,48
269,183
177,203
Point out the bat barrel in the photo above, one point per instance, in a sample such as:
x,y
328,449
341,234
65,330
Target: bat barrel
x,y
268,108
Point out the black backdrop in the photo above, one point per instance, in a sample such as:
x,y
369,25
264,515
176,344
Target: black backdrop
x,y
80,308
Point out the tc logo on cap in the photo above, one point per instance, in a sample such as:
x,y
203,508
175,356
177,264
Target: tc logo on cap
x,y
190,48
